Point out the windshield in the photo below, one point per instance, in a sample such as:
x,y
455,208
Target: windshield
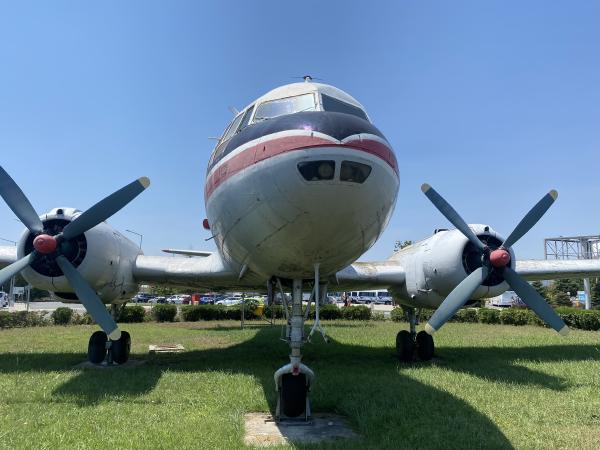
x,y
289,105
333,104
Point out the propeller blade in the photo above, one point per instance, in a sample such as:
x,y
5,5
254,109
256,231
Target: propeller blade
x,y
18,203
10,271
90,299
444,207
535,301
456,299
531,218
105,208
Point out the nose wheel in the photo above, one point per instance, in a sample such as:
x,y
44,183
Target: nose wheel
x,y
101,349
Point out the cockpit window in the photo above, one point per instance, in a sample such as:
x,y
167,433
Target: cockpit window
x,y
282,106
335,105
354,172
232,128
246,118
317,170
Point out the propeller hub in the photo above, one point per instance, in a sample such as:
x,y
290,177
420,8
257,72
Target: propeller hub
x,y
45,244
500,258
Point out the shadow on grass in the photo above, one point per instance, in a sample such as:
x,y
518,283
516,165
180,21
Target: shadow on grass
x,y
364,383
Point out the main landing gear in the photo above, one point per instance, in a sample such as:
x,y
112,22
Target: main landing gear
x,y
101,348
411,344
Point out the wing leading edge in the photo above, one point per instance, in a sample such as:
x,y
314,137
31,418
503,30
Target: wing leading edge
x,y
8,255
533,270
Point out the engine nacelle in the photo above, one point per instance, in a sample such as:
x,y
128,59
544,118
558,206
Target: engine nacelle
x,y
103,256
435,266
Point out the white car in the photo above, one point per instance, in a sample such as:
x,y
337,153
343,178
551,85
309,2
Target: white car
x,y
3,299
177,299
229,301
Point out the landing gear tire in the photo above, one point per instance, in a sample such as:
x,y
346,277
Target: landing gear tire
x,y
97,347
293,394
405,346
120,349
425,346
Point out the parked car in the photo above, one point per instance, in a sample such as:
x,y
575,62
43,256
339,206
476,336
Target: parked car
x,y
142,297
159,299
3,299
178,299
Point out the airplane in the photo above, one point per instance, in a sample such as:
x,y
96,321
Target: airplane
x,y
298,187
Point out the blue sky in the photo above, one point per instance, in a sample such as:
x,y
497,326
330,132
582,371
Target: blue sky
x,y
493,103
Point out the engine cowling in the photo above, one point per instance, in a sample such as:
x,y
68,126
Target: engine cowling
x,y
103,256
435,266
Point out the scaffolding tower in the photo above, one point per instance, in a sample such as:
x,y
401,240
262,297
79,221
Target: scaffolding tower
x,y
574,247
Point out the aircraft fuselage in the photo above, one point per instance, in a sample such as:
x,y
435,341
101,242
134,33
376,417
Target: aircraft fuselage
x,y
309,187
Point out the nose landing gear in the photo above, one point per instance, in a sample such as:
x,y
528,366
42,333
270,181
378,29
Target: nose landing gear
x,y
293,381
409,343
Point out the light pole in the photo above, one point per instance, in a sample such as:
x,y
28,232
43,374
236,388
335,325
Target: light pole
x,y
138,234
11,295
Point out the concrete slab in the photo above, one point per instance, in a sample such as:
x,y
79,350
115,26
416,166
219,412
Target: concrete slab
x,y
261,430
165,348
129,364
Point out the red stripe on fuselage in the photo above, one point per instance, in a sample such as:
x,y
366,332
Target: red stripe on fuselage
x,y
278,146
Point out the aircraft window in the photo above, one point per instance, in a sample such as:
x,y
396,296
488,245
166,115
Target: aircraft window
x,y
246,118
317,170
282,106
335,105
232,128
354,172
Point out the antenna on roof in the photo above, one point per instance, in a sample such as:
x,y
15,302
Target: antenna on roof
x,y
234,110
308,78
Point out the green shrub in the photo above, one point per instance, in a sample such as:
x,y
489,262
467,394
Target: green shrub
x,y
87,319
425,314
164,312
62,315
515,316
132,314
487,315
213,312
21,319
398,315
589,322
535,320
378,316
191,313
468,315
277,310
360,312
330,312
235,313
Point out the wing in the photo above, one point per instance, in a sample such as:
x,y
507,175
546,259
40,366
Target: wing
x,y
368,275
190,253
209,273
533,270
8,255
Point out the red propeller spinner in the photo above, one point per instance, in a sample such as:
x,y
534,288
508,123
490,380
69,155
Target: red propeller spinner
x,y
500,258
45,244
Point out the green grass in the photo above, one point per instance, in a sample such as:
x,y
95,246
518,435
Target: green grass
x,y
492,386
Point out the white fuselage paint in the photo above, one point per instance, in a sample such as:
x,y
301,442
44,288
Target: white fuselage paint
x,y
271,219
